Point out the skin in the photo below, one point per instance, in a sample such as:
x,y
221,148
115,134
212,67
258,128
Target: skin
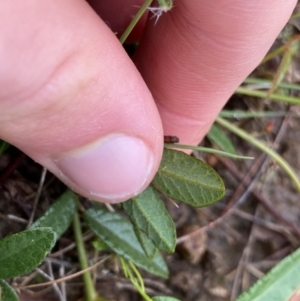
x,y
65,81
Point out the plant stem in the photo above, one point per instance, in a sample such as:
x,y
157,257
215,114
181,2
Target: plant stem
x,y
138,276
238,114
260,145
138,282
268,83
207,150
134,21
294,16
137,286
262,94
90,291
273,54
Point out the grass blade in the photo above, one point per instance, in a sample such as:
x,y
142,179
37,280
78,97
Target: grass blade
x,y
217,137
279,284
260,145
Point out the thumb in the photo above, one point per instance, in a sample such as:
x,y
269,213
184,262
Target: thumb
x,y
72,100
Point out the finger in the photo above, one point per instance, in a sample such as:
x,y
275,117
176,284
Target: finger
x,y
72,100
196,55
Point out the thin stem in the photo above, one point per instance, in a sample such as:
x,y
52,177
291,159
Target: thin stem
x,y
273,54
260,145
281,49
37,197
90,291
63,279
124,267
294,16
238,114
138,283
251,80
262,94
138,275
134,21
206,150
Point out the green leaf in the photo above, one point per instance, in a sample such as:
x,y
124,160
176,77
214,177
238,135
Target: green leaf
x,y
146,243
216,136
100,245
148,213
188,179
3,147
60,214
24,251
279,284
164,299
117,232
7,293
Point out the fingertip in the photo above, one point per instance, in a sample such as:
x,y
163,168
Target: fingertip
x,y
85,93
111,170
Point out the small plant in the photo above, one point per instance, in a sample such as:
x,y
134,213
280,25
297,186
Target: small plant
x,y
137,239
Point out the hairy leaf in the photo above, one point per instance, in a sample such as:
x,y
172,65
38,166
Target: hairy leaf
x,y
148,213
188,179
217,137
7,293
147,244
117,232
24,251
279,284
60,214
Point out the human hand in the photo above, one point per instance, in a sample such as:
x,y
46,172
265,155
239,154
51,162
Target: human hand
x,y
72,100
